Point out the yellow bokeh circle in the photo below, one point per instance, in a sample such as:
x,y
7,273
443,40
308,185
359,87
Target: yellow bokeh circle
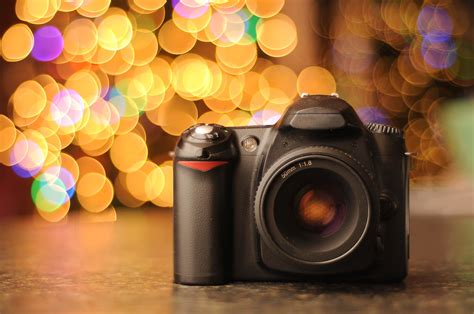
x,y
70,5
115,30
149,5
86,84
146,183
29,99
80,37
95,192
90,183
175,115
174,40
123,194
88,164
237,59
36,11
277,36
265,8
165,199
93,8
280,77
145,45
120,62
17,43
129,152
316,80
192,76
7,133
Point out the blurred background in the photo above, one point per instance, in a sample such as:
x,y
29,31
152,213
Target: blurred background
x,y
93,93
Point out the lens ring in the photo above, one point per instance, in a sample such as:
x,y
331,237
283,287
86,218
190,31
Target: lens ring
x,y
297,162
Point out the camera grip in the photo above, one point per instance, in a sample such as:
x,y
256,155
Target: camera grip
x,y
202,221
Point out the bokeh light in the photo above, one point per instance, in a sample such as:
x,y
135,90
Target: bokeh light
x,y
277,36
265,8
129,152
148,5
29,155
48,45
95,192
174,40
7,133
316,80
114,30
49,193
17,43
67,109
109,85
29,99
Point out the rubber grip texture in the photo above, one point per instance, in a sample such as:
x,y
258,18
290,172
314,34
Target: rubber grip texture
x,y
202,225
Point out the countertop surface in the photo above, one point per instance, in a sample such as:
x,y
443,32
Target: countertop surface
x,y
126,266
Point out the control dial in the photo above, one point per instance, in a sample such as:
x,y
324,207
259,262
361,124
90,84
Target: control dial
x,y
384,129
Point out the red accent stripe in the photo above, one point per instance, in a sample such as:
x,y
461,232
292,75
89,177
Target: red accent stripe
x,y
202,165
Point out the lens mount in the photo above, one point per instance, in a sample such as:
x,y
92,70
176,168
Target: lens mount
x,y
312,206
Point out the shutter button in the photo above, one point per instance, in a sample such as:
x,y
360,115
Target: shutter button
x,y
207,132
204,129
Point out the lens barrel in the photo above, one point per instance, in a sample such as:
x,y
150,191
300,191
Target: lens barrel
x,y
313,206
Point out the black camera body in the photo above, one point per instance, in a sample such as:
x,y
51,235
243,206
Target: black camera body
x,y
317,196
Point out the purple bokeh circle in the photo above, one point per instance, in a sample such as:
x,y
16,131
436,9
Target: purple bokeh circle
x,y
372,114
439,55
48,45
435,23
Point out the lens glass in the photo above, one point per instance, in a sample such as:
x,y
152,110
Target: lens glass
x,y
311,208
320,208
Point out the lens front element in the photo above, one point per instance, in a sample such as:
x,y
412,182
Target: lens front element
x,y
320,209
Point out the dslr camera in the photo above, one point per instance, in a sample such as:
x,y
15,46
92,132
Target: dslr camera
x,y
318,196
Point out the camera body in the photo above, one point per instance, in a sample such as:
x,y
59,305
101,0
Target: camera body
x,y
317,196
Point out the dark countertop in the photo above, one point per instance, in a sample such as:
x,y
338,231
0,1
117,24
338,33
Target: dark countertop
x,y
126,267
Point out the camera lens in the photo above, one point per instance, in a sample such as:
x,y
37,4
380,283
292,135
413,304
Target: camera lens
x,y
320,208
309,209
313,209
